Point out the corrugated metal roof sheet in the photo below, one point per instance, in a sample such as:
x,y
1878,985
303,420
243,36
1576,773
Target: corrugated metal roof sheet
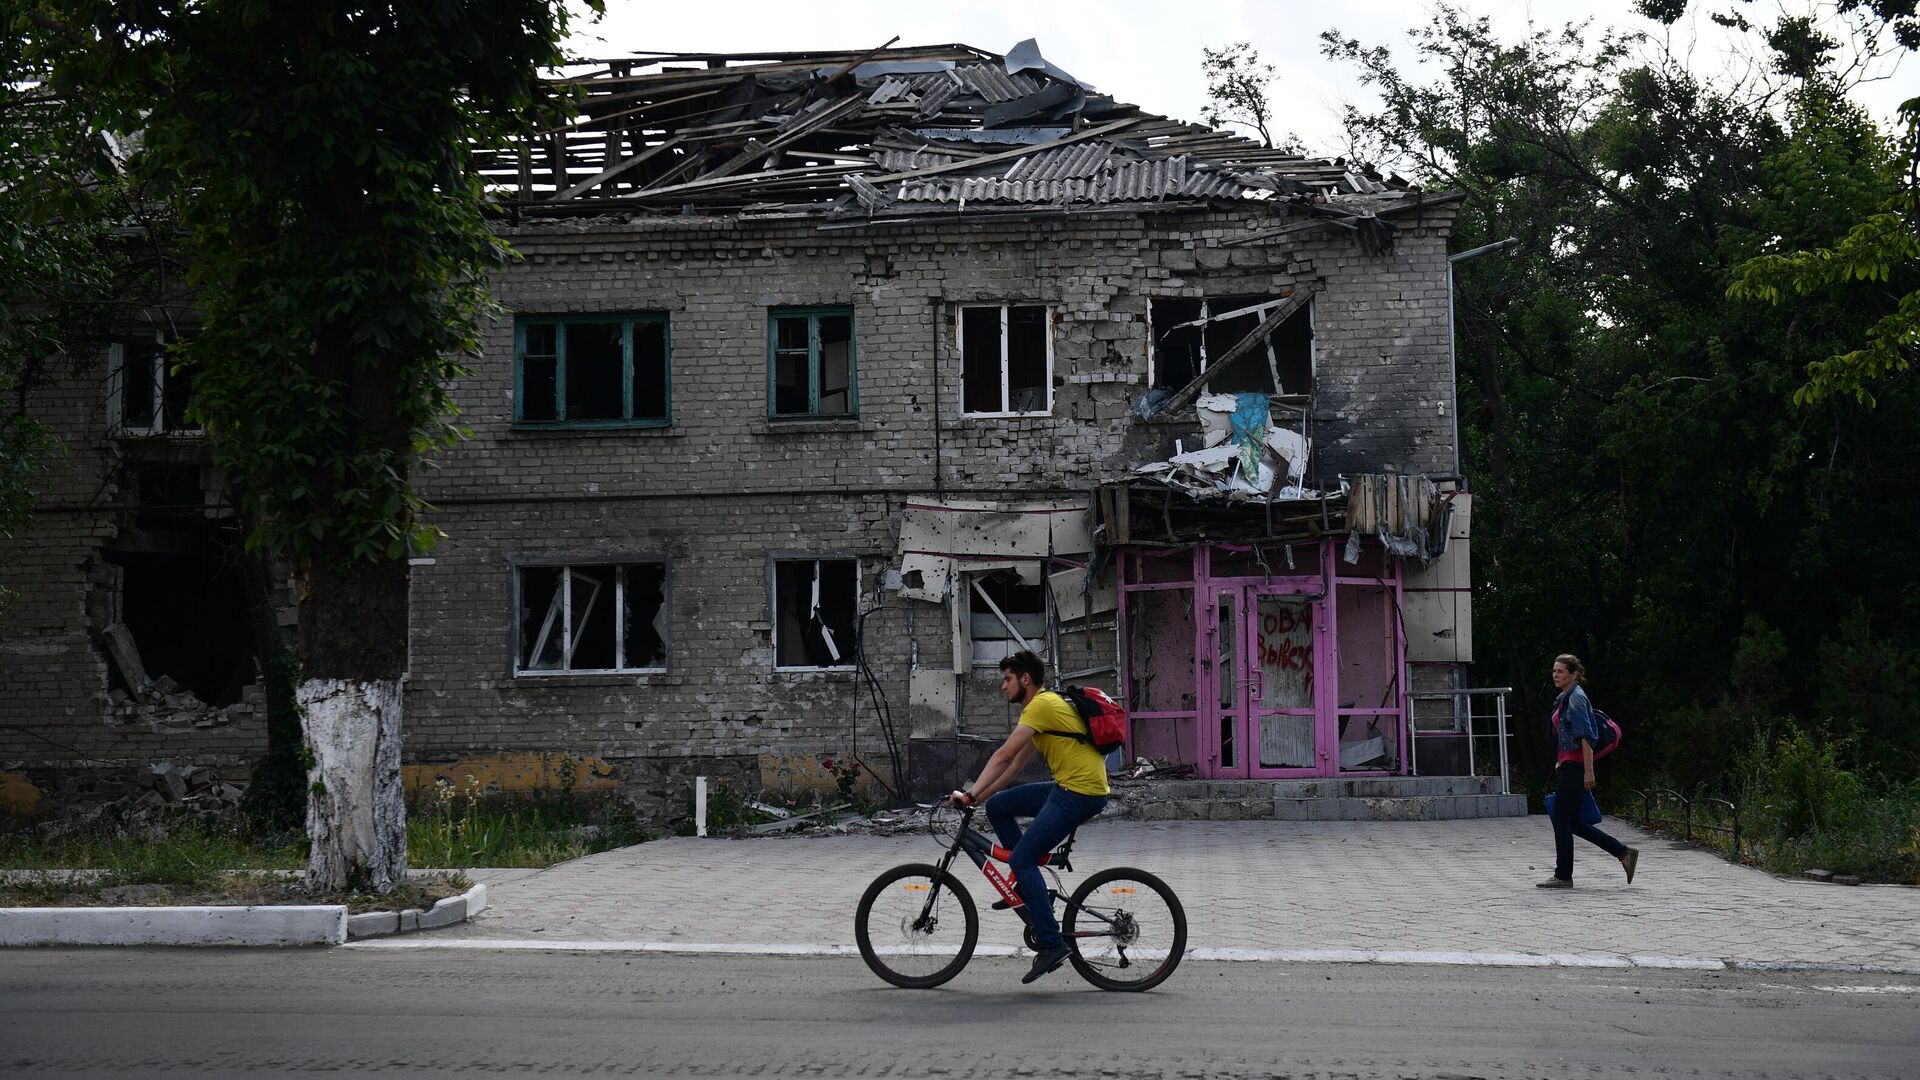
x,y
1111,181
1081,159
989,81
1008,136
911,160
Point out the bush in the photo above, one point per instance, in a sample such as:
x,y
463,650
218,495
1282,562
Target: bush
x,y
1804,810
449,827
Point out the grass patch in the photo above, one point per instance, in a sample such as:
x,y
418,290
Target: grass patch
x,y
1802,809
450,827
46,888
187,850
188,853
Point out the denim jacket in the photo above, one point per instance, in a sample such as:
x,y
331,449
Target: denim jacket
x,y
1576,718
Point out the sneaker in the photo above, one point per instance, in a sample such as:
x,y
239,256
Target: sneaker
x,y
1001,905
1554,883
1046,960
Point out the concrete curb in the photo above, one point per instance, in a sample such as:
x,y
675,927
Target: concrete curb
x,y
1216,955
452,911
310,924
263,924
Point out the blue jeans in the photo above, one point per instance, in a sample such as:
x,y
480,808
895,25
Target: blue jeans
x,y
1569,792
1055,812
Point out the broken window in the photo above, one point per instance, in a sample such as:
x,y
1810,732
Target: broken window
x,y
145,394
1006,360
1190,334
1005,615
810,362
814,605
591,371
604,617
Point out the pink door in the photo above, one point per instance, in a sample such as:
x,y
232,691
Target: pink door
x,y
1287,732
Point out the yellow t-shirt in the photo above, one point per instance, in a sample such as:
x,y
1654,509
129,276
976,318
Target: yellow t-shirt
x,y
1076,765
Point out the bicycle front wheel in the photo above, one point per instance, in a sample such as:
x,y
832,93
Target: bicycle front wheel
x,y
916,926
1125,930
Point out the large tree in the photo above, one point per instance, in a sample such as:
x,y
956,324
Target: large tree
x,y
316,153
1653,495
61,197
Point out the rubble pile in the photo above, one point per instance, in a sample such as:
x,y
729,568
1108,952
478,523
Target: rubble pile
x,y
164,703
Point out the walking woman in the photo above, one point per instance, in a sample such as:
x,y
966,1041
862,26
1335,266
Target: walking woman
x,y
1575,733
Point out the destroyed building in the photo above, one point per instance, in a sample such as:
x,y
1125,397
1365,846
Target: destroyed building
x,y
824,382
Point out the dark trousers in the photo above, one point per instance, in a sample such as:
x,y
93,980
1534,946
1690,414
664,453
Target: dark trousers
x,y
1569,794
1055,812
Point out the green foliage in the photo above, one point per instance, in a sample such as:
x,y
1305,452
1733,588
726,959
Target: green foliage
x,y
447,827
338,248
1803,809
183,850
1653,491
61,197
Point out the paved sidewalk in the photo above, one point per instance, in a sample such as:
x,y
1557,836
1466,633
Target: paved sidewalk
x,y
1440,891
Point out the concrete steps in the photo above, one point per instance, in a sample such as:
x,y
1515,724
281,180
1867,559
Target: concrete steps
x,y
1399,798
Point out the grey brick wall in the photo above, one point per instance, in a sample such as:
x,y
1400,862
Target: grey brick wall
x,y
723,486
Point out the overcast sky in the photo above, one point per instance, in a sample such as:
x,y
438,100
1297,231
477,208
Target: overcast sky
x,y
1148,51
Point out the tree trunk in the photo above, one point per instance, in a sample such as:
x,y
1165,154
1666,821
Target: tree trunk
x,y
353,627
277,794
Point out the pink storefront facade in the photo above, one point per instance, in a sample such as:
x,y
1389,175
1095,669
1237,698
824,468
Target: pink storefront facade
x,y
1266,661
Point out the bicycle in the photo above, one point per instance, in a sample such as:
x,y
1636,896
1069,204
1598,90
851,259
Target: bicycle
x,y
1124,928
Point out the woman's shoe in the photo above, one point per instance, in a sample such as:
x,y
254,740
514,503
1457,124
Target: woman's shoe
x,y
1554,883
1631,862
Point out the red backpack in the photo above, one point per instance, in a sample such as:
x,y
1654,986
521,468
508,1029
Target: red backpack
x,y
1106,721
1609,740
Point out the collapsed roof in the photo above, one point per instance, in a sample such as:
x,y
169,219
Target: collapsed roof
x,y
899,133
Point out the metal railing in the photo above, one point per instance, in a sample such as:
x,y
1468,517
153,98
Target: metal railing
x,y
1464,715
1651,799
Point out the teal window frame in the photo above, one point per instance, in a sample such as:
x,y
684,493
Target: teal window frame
x,y
813,315
560,322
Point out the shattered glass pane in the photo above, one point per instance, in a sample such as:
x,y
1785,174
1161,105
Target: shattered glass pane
x,y
814,609
540,338
595,371
1176,352
649,371
542,639
176,393
538,397
1249,373
1027,359
1025,607
592,618
790,383
790,332
137,402
646,616
980,390
836,365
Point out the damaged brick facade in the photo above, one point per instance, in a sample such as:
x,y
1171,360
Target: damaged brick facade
x,y
721,491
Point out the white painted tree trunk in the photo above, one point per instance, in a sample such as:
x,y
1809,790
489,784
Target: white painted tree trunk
x,y
356,813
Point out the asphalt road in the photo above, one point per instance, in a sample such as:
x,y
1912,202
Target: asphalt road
x,y
220,1013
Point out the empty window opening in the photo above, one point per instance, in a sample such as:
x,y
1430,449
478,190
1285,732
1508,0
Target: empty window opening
x,y
146,395
811,362
1006,359
814,606
1189,335
1005,616
183,601
592,372
606,617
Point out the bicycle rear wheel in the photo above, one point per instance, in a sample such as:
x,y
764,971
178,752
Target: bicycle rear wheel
x,y
1125,930
916,926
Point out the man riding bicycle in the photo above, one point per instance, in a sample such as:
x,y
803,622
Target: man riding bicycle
x,y
1079,791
